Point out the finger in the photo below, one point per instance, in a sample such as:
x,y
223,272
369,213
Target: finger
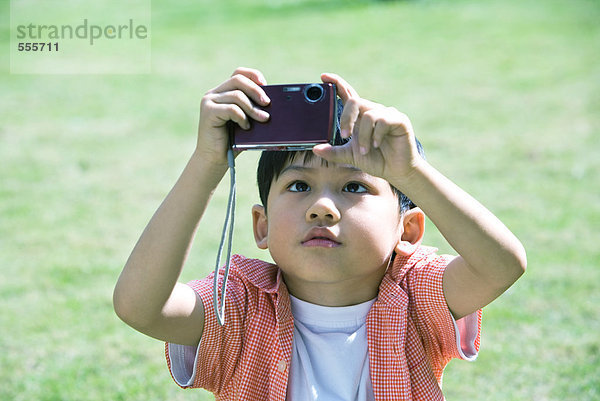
x,y
240,99
365,131
384,120
254,74
380,130
344,90
229,112
349,117
246,85
335,154
403,123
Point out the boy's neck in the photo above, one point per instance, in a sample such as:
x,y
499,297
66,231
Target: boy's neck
x,y
337,294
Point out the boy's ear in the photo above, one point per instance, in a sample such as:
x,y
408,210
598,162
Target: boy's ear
x,y
260,226
413,229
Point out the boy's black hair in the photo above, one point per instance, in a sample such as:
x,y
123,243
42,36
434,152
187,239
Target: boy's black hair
x,y
272,162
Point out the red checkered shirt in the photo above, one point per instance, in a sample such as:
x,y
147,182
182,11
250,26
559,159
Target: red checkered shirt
x,y
411,333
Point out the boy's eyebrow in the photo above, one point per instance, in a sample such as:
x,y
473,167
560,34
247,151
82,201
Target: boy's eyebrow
x,y
294,167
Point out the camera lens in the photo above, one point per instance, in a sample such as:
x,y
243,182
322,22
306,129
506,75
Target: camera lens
x,y
313,93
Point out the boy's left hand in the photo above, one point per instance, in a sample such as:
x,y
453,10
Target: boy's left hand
x,y
383,142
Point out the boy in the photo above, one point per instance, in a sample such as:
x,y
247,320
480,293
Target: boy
x,y
354,307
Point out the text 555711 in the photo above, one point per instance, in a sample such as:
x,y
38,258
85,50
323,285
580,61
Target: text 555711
x,y
38,47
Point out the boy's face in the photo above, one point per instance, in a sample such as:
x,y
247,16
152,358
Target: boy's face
x,y
331,229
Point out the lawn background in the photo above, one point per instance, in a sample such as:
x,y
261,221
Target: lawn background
x,y
504,95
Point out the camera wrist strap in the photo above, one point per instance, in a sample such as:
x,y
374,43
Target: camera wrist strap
x,y
219,304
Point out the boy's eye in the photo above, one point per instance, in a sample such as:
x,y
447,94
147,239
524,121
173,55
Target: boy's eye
x,y
298,186
355,187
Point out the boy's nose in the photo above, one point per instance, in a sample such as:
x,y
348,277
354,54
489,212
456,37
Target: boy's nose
x,y
324,210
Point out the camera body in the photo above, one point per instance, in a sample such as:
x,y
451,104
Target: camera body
x,y
301,116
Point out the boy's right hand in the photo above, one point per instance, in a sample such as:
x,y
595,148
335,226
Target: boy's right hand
x,y
237,100
146,296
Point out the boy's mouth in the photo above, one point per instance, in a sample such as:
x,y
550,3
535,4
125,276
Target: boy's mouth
x,y
320,237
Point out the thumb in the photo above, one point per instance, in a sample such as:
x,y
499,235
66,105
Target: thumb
x,y
335,154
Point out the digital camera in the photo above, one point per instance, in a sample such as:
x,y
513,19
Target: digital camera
x,y
301,116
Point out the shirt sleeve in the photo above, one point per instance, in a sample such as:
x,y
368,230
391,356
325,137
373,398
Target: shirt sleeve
x,y
442,336
181,360
468,329
211,365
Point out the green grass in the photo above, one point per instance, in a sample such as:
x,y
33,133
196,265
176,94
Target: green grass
x,y
505,96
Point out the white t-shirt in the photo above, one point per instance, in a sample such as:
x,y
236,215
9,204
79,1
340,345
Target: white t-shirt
x,y
330,359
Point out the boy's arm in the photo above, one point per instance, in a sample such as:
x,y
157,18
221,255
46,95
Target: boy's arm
x,y
490,257
147,295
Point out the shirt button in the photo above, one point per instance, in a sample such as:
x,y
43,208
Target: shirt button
x,y
281,366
